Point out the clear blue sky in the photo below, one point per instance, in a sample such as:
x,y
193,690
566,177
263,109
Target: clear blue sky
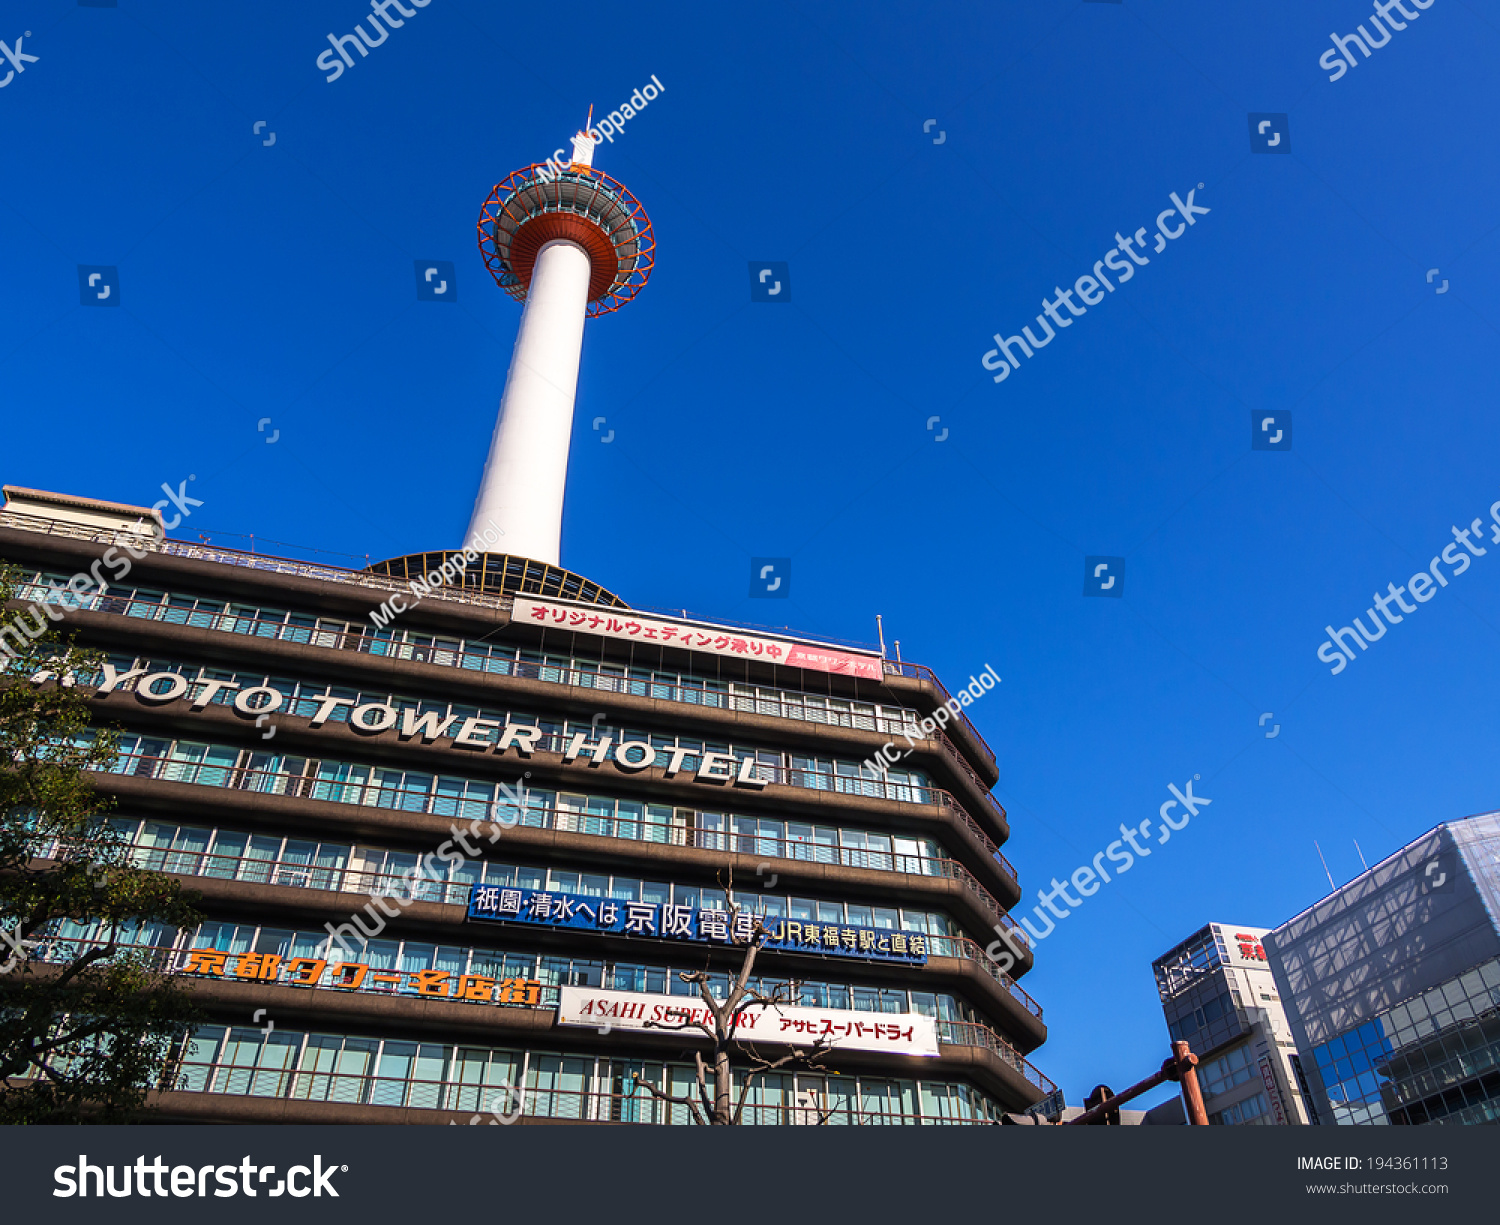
x,y
277,281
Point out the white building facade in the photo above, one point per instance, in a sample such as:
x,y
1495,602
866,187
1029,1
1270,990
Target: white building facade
x,y
1218,995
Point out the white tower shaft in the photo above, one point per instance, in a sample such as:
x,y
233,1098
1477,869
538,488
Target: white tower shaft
x,y
524,477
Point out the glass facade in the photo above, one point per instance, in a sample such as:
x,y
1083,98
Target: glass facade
x,y
347,868
1209,1024
170,946
204,850
1434,1058
1252,1111
1224,1073
1393,984
1218,996
503,1081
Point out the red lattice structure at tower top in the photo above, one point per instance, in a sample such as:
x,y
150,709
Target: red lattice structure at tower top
x,y
538,204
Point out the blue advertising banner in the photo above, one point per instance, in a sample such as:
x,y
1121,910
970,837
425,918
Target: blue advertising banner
x,y
703,924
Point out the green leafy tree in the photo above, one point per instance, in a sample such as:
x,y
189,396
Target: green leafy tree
x,y
87,1028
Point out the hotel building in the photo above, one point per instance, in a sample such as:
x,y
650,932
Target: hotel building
x,y
613,773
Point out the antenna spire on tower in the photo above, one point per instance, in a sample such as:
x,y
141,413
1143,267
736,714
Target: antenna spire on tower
x,y
583,143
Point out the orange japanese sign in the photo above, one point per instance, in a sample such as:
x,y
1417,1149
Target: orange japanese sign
x,y
357,976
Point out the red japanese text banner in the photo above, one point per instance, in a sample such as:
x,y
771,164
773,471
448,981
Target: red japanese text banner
x,y
623,624
903,1033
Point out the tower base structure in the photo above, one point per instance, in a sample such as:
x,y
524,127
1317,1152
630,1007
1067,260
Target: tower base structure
x,y
502,574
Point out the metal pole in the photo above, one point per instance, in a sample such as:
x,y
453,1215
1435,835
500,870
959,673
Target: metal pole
x,y
1192,1095
1181,1067
1114,1103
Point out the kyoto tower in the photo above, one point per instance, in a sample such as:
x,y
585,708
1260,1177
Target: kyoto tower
x,y
570,243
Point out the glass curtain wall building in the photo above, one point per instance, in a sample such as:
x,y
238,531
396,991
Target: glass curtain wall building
x,y
1392,984
462,857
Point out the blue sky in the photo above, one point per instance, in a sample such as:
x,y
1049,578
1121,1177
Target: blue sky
x,y
277,281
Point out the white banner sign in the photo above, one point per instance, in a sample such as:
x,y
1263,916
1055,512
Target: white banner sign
x,y
897,1033
621,623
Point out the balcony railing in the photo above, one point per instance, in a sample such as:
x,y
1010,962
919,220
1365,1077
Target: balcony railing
x,y
413,799
697,832
492,1103
473,657
970,951
365,882
362,881
922,672
967,1033
237,557
171,961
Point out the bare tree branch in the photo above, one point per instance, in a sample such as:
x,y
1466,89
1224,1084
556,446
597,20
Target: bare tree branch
x,y
672,1029
726,1014
703,1083
663,1096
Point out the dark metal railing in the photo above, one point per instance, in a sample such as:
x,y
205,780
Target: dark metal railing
x,y
785,705
360,880
921,672
168,960
500,1103
414,799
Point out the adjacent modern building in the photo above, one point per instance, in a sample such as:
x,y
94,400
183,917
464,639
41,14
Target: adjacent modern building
x,y
1392,984
1219,996
461,820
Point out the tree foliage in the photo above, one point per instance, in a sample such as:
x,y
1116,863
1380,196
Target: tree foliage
x,y
87,1028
